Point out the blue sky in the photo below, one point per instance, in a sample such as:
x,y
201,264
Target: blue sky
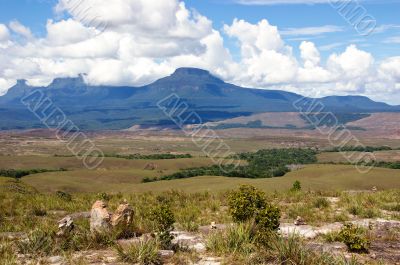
x,y
307,47
34,14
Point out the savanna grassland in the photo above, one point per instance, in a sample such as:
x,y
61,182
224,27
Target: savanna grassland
x,y
325,193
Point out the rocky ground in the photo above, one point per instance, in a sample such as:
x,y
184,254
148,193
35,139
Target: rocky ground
x,y
315,229
384,248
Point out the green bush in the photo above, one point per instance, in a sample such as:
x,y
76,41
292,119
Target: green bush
x,y
268,218
64,196
355,238
163,220
245,202
296,186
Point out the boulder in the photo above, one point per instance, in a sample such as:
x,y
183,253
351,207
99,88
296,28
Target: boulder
x,y
299,221
100,218
123,217
65,226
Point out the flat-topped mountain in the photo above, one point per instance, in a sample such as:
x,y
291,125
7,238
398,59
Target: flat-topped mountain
x,y
107,107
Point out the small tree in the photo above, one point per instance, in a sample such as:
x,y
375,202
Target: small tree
x,y
355,238
164,220
245,202
296,186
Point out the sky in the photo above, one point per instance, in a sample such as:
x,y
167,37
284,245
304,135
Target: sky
x,y
311,47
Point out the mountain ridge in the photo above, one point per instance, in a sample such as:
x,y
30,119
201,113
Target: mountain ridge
x,y
120,107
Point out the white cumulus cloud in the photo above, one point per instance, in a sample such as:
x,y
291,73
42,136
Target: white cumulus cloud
x,y
135,42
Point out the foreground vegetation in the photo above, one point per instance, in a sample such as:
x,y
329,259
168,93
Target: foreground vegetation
x,y
252,239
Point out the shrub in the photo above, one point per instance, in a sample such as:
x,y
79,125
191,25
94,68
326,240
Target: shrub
x,y
163,220
236,239
38,211
355,209
104,196
188,218
82,239
64,196
38,243
245,202
296,186
144,252
267,219
293,251
321,203
355,238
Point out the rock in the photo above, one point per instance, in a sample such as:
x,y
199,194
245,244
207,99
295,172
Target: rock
x,y
305,231
151,166
329,228
188,240
100,218
123,217
55,260
209,261
299,221
83,215
165,254
65,226
210,228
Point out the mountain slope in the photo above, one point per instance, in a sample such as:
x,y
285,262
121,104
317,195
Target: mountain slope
x,y
105,107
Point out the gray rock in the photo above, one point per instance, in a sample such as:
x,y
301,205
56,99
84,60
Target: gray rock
x,y
56,260
100,218
166,254
65,226
189,240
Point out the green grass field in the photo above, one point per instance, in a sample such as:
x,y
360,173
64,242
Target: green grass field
x,y
312,177
390,156
117,174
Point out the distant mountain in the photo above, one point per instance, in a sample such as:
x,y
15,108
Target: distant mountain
x,y
105,107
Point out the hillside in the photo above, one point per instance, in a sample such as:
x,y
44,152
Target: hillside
x,y
115,108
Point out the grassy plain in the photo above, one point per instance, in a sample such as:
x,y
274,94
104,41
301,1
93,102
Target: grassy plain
x,y
36,150
312,177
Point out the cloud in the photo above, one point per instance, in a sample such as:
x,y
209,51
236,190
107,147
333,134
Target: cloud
x,y
392,40
309,54
331,46
307,31
143,40
4,33
20,29
384,28
280,2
